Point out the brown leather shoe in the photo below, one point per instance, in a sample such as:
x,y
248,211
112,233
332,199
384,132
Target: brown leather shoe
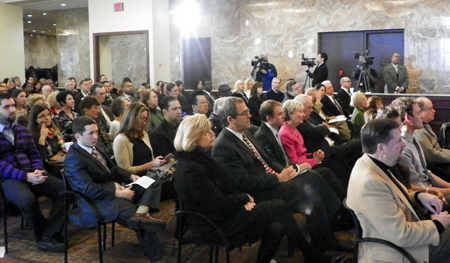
x,y
146,222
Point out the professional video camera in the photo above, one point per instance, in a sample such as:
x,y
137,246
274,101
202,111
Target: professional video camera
x,y
364,59
310,62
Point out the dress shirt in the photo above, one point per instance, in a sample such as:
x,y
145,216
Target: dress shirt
x,y
8,132
338,106
395,67
87,149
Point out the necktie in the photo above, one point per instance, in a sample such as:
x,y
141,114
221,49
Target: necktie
x,y
338,106
255,152
96,154
286,158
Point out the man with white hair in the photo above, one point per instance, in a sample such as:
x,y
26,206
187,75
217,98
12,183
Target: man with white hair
x,y
344,96
46,90
274,93
70,85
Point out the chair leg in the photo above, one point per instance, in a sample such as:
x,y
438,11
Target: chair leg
x,y
113,231
227,251
66,247
216,254
5,228
99,240
21,223
104,237
211,248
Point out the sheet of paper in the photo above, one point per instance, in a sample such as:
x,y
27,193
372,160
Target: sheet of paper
x,y
143,181
2,252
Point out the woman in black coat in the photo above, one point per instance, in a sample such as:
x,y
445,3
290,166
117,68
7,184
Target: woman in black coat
x,y
254,103
203,187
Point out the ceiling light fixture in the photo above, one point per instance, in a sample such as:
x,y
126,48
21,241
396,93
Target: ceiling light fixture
x,y
44,14
29,22
54,24
30,15
63,4
34,30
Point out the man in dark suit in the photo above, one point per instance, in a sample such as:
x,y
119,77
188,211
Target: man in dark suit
x,y
109,97
344,96
320,74
331,106
258,175
84,91
128,90
105,116
91,173
161,138
292,89
274,93
396,76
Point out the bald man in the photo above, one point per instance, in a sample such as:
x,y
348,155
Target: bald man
x,y
396,75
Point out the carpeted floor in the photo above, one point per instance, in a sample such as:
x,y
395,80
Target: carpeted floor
x,y
83,245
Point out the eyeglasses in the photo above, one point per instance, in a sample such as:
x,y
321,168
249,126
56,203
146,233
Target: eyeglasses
x,y
204,102
44,116
347,81
143,120
244,113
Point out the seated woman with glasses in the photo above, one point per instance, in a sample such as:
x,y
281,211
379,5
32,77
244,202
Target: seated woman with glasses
x,y
132,149
48,139
203,187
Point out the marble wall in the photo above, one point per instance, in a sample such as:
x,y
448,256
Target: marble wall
x,y
283,29
40,51
72,41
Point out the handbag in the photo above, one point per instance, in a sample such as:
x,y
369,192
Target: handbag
x,y
165,172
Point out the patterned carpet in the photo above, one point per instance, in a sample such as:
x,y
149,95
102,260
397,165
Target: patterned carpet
x,y
83,245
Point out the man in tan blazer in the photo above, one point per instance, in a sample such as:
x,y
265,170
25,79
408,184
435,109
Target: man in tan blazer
x,y
385,207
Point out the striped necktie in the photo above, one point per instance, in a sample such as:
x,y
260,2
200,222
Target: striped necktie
x,y
255,152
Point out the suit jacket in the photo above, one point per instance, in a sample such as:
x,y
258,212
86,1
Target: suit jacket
x,y
130,98
397,221
271,147
254,104
319,75
162,137
433,152
86,175
393,80
344,99
272,95
78,97
243,166
313,135
211,101
330,109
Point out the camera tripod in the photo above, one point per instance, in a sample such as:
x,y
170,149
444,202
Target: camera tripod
x,y
307,80
363,81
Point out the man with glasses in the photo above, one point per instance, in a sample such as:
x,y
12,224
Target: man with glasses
x,y
127,88
198,102
344,96
24,180
331,106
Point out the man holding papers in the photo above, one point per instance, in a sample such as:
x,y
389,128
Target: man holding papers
x,y
92,174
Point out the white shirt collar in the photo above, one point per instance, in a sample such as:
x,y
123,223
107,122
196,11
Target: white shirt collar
x,y
276,91
275,132
87,149
238,134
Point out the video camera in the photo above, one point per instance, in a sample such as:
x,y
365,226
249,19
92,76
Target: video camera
x,y
310,62
259,61
364,59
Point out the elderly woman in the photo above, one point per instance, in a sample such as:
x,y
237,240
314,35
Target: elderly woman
x,y
293,143
150,99
67,115
132,149
204,188
238,90
359,101
118,108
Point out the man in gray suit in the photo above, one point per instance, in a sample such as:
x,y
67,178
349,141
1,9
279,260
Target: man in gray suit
x,y
396,76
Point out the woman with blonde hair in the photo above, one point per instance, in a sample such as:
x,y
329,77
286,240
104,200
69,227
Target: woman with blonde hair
x,y
55,107
150,99
132,149
204,188
238,90
248,84
359,101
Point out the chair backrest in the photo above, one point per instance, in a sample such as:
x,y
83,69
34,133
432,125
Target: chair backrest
x,y
444,136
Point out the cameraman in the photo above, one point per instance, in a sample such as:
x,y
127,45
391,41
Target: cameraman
x,y
264,72
373,79
320,74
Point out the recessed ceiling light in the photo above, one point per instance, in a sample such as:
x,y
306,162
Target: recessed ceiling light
x,y
30,15
31,35
44,14
63,4
42,31
29,22
54,24
34,30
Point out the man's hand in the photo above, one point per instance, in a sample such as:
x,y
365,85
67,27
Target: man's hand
x,y
263,71
134,177
319,155
287,174
326,124
443,218
36,178
126,193
435,191
431,202
249,206
304,166
118,186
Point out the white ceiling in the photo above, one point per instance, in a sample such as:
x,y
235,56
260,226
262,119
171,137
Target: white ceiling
x,y
43,24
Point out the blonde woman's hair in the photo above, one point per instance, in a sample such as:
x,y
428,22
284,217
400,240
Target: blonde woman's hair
x,y
51,99
248,83
289,107
131,117
189,131
357,97
236,85
33,98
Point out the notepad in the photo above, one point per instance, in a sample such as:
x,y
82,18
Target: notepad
x,y
143,181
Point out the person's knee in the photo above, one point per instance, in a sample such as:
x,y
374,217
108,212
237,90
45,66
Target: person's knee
x,y
276,228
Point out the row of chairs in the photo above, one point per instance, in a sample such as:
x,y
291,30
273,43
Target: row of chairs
x,y
184,236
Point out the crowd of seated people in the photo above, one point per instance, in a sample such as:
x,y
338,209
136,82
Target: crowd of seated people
x,y
290,154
